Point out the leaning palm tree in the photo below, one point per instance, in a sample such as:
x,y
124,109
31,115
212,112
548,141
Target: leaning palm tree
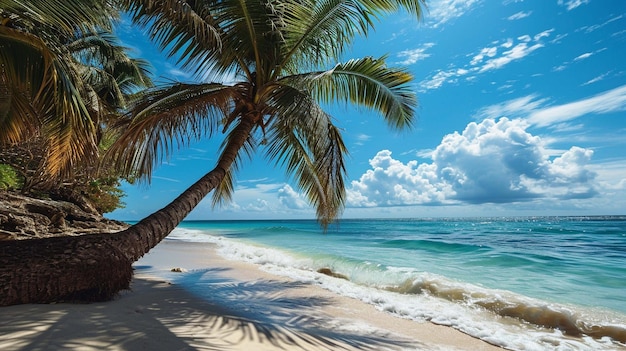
x,y
282,61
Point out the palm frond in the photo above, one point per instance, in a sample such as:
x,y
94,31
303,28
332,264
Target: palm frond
x,y
67,16
366,82
107,69
67,124
165,119
222,194
303,139
414,7
184,29
317,32
50,87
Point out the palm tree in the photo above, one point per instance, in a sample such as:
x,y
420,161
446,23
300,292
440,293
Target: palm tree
x,y
41,87
101,77
282,56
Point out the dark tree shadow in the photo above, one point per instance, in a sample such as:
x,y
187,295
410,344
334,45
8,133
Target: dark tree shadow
x,y
218,313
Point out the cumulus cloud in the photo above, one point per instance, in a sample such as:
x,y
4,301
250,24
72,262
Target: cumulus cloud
x,y
494,161
392,183
291,198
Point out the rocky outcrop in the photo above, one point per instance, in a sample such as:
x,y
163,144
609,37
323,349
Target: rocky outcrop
x,y
23,217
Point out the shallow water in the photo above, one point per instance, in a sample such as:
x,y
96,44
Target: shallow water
x,y
556,283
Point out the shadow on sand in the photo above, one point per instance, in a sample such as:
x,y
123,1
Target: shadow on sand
x,y
218,313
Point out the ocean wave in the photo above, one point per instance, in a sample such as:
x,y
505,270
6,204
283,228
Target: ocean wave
x,y
432,245
499,317
507,304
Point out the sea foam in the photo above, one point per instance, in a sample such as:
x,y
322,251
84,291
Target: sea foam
x,y
499,317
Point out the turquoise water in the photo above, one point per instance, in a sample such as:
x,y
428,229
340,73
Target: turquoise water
x,y
523,283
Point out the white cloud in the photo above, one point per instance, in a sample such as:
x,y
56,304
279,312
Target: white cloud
x,y
519,107
291,199
517,52
177,73
361,139
572,4
412,56
393,183
488,52
442,11
519,15
166,179
489,58
489,162
609,101
544,34
438,79
597,78
583,56
534,109
259,205
507,44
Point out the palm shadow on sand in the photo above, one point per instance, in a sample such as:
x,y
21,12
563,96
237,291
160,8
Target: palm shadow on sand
x,y
217,314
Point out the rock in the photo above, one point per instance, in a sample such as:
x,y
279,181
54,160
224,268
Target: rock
x,y
178,269
329,272
23,217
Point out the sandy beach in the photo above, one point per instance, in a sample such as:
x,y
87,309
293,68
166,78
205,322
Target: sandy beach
x,y
240,308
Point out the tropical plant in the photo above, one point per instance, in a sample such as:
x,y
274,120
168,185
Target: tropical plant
x,y
100,77
283,59
9,179
42,91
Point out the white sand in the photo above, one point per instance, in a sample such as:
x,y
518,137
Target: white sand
x,y
242,308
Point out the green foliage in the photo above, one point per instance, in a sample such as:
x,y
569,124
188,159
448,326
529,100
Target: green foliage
x,y
9,179
105,194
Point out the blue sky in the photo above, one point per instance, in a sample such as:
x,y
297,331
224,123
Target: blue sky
x,y
522,112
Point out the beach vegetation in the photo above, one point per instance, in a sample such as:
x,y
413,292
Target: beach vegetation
x,y
9,179
65,81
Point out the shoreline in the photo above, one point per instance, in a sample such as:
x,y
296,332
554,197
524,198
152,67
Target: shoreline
x,y
220,305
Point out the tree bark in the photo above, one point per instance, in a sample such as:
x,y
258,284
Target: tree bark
x,y
95,267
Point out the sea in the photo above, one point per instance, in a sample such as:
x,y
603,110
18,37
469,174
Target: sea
x,y
523,283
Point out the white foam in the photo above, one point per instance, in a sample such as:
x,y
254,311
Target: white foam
x,y
462,314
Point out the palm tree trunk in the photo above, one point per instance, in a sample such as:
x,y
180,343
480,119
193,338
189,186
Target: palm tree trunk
x,y
95,267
